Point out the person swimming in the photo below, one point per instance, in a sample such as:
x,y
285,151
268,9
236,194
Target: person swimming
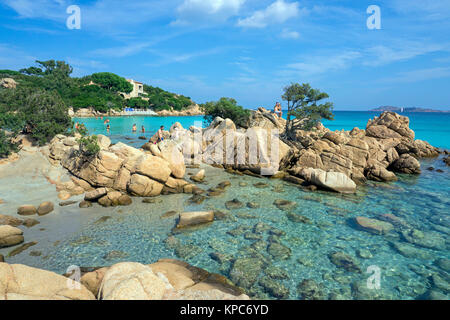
x,y
134,128
108,127
143,129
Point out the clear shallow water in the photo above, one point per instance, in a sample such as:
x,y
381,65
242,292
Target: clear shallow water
x,y
137,233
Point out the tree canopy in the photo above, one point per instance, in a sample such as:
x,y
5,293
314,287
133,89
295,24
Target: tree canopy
x,y
226,108
304,112
112,82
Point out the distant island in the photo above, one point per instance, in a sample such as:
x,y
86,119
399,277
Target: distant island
x,y
399,109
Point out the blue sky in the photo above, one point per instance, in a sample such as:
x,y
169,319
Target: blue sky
x,y
246,49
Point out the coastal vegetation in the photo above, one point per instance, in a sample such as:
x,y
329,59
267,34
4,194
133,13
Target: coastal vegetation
x,y
304,112
39,101
226,108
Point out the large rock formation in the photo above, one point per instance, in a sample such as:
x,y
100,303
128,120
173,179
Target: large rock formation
x,y
19,282
120,168
386,146
257,149
166,279
8,83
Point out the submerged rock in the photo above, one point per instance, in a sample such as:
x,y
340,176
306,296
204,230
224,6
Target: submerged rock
x,y
410,251
188,219
374,226
115,255
308,289
85,204
45,208
298,218
245,272
27,210
343,260
9,220
276,273
274,288
285,204
279,251
10,236
234,204
22,248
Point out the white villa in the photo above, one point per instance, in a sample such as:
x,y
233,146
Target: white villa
x,y
138,90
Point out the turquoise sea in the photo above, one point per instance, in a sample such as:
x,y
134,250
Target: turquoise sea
x,y
274,253
431,127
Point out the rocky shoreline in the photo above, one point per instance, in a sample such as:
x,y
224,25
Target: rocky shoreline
x,y
332,161
193,110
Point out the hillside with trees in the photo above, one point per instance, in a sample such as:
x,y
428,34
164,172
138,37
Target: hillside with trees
x,y
39,102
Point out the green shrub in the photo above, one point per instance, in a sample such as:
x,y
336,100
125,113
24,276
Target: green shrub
x,y
89,146
226,108
6,145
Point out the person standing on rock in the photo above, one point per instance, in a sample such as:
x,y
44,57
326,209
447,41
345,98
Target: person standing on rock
x,y
277,110
158,137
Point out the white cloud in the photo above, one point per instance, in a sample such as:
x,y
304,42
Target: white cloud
x,y
316,65
278,12
195,11
289,34
419,75
383,55
14,58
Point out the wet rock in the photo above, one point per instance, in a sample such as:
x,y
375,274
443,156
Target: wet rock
x,y
125,200
343,260
435,295
29,223
374,226
85,204
307,262
238,231
274,288
294,180
410,251
67,203
261,227
279,251
224,184
27,210
298,218
80,241
45,208
444,264
245,272
95,194
2,258
245,215
22,248
234,204
199,176
285,204
197,199
364,254
396,221
9,220
440,283
310,290
102,219
168,214
151,200
187,251
253,205
361,291
447,160
115,255
406,164
220,215
220,257
260,185
243,184
431,240
276,273
188,219
10,236
252,236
